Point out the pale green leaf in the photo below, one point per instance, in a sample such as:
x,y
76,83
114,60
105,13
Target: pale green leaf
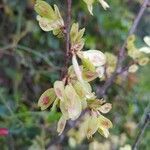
x,y
88,64
89,5
76,36
77,68
64,109
96,57
61,125
89,75
90,126
44,9
133,68
73,102
147,40
104,4
104,124
145,50
105,108
46,99
59,89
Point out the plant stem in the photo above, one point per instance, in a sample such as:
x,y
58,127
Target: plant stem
x,y
67,36
68,23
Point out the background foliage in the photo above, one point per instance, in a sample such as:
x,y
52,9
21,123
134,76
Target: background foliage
x,y
31,60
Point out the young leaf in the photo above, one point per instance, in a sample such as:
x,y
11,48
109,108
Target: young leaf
x,y
104,4
89,75
76,35
100,71
88,89
147,40
64,109
45,24
46,99
104,132
105,108
44,9
95,103
55,104
90,125
145,50
104,125
84,90
73,102
89,5
133,68
61,125
104,122
59,89
88,64
143,61
79,89
77,68
97,58
49,18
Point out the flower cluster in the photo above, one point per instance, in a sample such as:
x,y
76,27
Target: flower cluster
x,y
74,94
139,56
92,122
72,99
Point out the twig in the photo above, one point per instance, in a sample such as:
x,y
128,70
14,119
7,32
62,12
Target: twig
x,y
68,23
121,55
67,36
141,132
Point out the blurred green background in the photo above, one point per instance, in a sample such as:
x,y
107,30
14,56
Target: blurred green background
x,y
31,60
